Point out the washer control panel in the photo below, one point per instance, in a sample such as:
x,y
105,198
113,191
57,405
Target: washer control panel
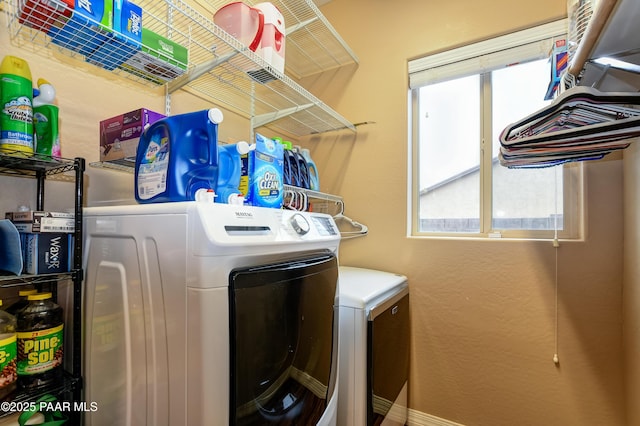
x,y
300,224
308,225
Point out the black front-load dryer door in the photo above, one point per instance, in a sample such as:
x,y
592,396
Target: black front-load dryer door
x,y
282,341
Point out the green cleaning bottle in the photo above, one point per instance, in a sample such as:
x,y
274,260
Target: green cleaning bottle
x,y
45,120
16,110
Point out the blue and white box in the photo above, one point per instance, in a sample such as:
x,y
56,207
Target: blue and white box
x,y
46,253
124,41
88,27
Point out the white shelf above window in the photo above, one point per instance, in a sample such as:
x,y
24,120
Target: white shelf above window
x,y
218,63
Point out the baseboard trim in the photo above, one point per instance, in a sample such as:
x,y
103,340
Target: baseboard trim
x,y
417,418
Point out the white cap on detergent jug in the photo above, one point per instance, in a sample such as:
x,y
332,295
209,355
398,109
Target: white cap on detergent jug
x,y
204,195
236,199
244,147
215,115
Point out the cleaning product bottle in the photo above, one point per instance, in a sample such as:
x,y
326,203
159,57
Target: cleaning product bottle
x,y
291,164
178,156
314,177
8,353
16,307
243,186
45,120
303,171
16,110
230,172
286,169
40,331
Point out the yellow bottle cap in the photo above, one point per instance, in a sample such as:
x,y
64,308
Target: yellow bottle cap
x,y
27,292
39,296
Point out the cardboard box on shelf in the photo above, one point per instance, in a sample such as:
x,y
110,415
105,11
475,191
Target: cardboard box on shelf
x,y
46,253
42,221
119,135
124,41
160,59
88,27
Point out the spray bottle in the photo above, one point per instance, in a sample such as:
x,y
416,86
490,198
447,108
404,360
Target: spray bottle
x,y
45,120
16,110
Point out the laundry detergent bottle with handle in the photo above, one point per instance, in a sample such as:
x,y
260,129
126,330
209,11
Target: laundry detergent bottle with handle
x,y
290,165
16,106
303,171
314,178
230,172
177,156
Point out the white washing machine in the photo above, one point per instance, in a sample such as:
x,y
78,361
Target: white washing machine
x,y
210,314
374,347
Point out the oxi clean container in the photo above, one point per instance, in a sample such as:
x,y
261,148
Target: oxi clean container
x,y
177,156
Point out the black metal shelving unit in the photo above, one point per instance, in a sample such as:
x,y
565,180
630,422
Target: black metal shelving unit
x,y
40,167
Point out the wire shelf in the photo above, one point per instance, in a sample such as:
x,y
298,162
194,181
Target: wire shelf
x,y
219,68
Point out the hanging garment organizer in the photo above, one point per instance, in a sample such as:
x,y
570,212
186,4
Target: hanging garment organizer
x,y
581,124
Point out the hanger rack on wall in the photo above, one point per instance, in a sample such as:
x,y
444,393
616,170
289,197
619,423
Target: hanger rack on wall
x,y
301,199
596,108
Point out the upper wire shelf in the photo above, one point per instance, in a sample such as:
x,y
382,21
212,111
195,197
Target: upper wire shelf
x,y
219,68
312,44
30,164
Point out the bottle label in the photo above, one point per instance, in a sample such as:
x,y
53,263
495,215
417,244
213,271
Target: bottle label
x,y
8,353
154,165
39,351
16,114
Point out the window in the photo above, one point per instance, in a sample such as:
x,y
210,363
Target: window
x,y
460,102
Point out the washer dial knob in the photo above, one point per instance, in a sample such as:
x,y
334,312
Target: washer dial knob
x,y
300,224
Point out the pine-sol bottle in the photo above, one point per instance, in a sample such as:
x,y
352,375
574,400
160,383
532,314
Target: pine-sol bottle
x,y
40,328
8,374
22,303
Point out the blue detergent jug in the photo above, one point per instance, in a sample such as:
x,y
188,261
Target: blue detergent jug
x,y
177,156
230,171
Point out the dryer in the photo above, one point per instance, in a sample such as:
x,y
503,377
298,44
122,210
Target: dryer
x,y
210,314
374,347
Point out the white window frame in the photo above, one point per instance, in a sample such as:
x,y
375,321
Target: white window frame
x,y
479,58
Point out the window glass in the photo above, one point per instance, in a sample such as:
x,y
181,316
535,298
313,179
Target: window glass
x,y
522,198
449,153
459,187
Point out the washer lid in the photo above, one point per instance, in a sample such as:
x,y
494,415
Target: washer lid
x,y
360,288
